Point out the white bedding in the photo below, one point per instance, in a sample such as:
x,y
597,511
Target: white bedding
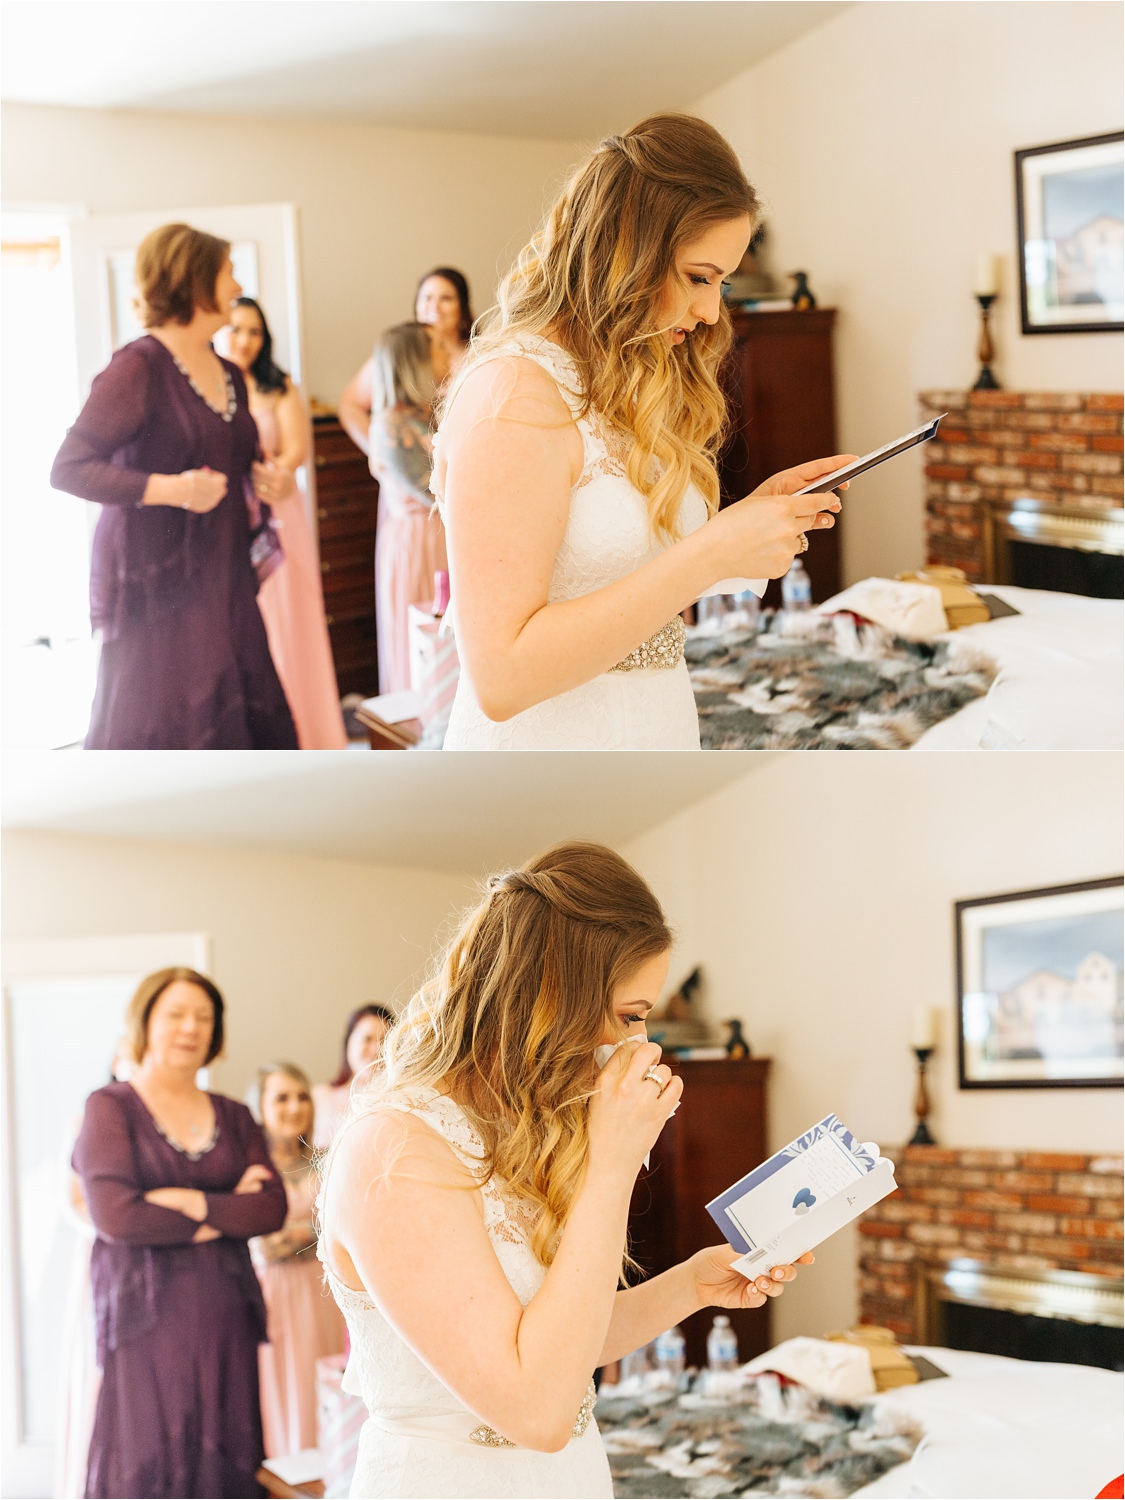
x,y
1060,681
1007,1429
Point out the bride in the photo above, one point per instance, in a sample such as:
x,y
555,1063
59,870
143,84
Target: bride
x,y
474,1208
575,458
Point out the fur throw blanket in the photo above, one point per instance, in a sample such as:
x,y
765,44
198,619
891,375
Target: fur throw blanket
x,y
762,1438
824,682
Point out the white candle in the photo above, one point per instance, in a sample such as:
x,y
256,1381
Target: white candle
x,y
986,276
922,1032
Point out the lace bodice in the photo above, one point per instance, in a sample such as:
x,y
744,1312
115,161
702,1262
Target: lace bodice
x,y
383,1369
608,536
608,533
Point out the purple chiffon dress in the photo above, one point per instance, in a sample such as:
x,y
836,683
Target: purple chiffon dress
x,y
185,664
178,1324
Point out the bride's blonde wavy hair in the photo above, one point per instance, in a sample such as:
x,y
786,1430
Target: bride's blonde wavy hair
x,y
592,280
508,1023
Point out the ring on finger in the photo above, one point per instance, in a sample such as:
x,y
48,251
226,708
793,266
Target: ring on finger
x,y
650,1075
803,543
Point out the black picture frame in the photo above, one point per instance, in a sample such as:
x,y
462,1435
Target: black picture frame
x,y
1085,173
1069,1018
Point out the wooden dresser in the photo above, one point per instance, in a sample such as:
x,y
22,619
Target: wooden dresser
x,y
347,499
716,1137
781,388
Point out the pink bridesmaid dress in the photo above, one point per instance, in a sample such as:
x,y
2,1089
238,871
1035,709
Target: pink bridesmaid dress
x,y
292,604
304,1323
409,537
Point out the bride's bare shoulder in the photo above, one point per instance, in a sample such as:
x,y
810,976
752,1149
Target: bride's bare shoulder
x,y
389,1144
509,386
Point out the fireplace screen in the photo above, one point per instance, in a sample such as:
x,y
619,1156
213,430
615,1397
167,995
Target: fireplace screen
x,y
1037,544
1066,1317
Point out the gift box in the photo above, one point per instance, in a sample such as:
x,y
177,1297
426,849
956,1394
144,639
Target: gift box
x,y
434,670
339,1418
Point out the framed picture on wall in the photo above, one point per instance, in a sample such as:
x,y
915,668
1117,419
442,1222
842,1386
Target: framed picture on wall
x,y
1069,213
1039,988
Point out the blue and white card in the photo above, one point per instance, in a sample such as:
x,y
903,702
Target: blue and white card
x,y
801,1195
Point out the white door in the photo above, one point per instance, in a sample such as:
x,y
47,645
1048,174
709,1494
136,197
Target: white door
x,y
263,240
76,989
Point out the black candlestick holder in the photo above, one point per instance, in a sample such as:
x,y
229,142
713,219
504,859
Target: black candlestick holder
x,y
986,380
922,1136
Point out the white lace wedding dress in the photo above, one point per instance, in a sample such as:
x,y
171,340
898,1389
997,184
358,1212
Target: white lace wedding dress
x,y
646,701
419,1440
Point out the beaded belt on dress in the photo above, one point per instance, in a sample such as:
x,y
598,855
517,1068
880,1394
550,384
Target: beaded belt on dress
x,y
451,1427
663,650
488,1437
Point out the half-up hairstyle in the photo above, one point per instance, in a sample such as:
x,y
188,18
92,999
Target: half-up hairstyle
x,y
508,1023
592,280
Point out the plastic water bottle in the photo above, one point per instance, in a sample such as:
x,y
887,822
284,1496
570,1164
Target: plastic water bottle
x,y
669,1352
796,589
744,608
635,1366
722,1345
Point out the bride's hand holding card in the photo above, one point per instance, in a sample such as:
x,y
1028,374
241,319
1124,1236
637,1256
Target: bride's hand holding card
x,y
800,1196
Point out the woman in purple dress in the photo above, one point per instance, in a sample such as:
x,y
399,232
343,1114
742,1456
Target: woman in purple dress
x,y
177,1181
165,444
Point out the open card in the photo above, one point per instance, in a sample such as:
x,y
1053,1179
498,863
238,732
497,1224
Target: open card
x,y
801,1195
873,459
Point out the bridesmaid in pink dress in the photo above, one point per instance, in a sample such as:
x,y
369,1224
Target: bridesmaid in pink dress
x,y
410,537
291,599
303,1321
385,410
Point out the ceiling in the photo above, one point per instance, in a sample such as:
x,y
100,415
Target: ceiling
x,y
554,68
451,812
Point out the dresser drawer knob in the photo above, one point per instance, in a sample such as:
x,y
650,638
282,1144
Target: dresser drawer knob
x,y
330,619
326,567
321,513
321,461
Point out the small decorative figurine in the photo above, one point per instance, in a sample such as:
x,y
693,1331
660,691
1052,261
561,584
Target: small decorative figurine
x,y
738,1048
676,1023
752,281
678,1007
802,298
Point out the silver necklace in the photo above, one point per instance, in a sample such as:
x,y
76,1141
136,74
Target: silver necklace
x,y
232,402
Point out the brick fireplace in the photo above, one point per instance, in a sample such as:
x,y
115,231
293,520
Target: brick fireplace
x,y
1023,1210
1014,470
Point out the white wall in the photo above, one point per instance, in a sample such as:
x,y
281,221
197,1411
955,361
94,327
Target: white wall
x,y
882,142
298,943
377,206
818,896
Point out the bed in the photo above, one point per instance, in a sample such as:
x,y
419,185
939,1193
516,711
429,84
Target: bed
x,y
994,1428
1001,1428
1048,677
1059,684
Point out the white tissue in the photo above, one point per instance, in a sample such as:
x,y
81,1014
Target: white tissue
x,y
603,1054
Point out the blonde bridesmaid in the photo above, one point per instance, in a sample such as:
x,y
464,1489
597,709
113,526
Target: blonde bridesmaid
x,y
303,1320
